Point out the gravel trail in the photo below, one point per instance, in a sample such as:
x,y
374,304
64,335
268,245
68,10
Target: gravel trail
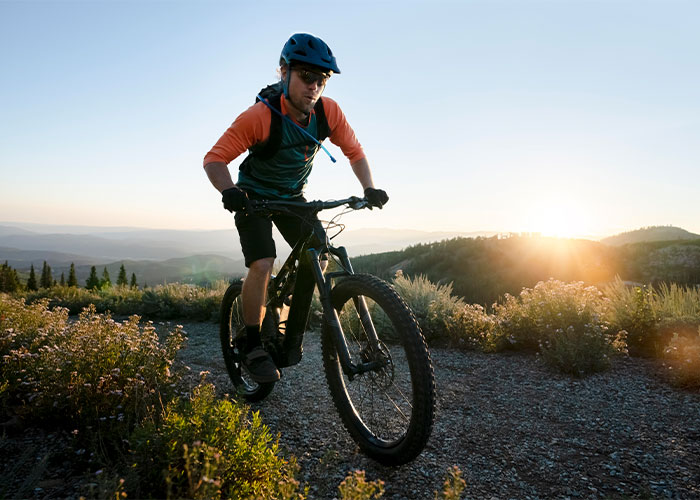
x,y
514,428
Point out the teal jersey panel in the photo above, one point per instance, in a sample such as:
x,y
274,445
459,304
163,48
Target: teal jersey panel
x,y
285,174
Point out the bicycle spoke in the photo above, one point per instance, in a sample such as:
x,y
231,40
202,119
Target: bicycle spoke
x,y
383,405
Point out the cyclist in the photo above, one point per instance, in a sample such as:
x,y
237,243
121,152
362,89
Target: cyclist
x,y
306,64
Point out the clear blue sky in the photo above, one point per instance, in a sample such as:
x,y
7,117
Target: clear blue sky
x,y
569,117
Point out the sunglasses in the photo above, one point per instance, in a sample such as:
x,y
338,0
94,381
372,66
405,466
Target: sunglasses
x,y
310,77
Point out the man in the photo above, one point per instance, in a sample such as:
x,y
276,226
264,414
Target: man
x,y
283,141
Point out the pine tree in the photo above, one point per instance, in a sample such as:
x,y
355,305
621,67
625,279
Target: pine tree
x,y
105,282
93,281
133,283
4,282
63,280
31,282
8,279
121,279
72,278
46,280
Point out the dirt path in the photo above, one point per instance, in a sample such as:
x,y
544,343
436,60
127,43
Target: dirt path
x,y
515,429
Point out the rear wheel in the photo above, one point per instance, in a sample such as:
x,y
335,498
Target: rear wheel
x,y
232,334
388,410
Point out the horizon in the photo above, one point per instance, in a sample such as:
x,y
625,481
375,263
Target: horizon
x,y
567,119
91,228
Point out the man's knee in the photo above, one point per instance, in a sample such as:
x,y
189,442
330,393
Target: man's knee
x,y
261,266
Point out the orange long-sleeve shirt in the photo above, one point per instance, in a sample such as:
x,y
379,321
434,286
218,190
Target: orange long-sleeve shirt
x,y
253,126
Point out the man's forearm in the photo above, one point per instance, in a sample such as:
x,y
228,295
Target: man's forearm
x,y
219,175
363,173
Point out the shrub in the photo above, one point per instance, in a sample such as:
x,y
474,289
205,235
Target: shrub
x,y
95,374
162,302
453,486
678,311
631,311
563,321
208,448
682,357
72,298
581,352
434,305
470,327
516,327
356,487
677,302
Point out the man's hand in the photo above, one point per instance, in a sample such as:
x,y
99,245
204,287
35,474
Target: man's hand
x,y
234,199
376,197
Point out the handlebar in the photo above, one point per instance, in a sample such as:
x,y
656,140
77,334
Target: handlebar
x,y
352,202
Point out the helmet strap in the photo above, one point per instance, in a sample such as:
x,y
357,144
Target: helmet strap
x,y
285,83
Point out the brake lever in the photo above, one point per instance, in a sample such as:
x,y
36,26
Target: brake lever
x,y
359,203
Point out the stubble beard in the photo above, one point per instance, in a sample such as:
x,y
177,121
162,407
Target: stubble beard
x,y
303,105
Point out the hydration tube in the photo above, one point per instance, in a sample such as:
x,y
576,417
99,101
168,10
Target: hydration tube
x,y
285,117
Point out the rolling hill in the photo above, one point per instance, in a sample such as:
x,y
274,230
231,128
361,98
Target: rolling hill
x,y
650,234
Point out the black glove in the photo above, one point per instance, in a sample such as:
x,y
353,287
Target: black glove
x,y
234,199
376,197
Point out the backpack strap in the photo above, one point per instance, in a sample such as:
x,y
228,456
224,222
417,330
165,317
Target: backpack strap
x,y
322,128
268,149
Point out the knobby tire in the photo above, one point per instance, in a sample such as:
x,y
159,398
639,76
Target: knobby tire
x,y
389,412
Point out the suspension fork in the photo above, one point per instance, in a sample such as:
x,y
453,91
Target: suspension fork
x,y
360,302
331,315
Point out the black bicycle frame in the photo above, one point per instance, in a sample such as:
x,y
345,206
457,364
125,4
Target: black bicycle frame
x,y
298,276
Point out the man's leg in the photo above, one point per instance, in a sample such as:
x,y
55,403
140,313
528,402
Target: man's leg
x,y
259,251
253,296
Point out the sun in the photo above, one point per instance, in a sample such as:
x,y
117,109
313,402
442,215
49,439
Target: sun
x,y
559,218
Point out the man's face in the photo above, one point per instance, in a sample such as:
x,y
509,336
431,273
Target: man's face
x,y
305,87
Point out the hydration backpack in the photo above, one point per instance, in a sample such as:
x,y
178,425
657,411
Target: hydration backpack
x,y
273,95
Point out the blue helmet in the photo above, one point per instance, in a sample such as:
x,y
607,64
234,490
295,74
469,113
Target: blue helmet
x,y
306,48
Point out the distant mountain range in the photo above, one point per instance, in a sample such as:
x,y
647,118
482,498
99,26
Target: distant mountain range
x,y
650,234
159,256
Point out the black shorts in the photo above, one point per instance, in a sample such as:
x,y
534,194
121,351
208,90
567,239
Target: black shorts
x,y
255,232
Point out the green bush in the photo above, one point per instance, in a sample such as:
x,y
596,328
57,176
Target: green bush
x,y
95,375
631,310
677,302
356,487
72,298
682,358
470,327
678,311
453,486
434,305
208,448
182,301
162,302
563,321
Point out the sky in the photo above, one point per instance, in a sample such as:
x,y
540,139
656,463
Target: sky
x,y
570,118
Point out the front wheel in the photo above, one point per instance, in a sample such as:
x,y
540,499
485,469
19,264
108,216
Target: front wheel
x,y
232,334
388,410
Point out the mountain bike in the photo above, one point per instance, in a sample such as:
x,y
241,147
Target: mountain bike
x,y
375,358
